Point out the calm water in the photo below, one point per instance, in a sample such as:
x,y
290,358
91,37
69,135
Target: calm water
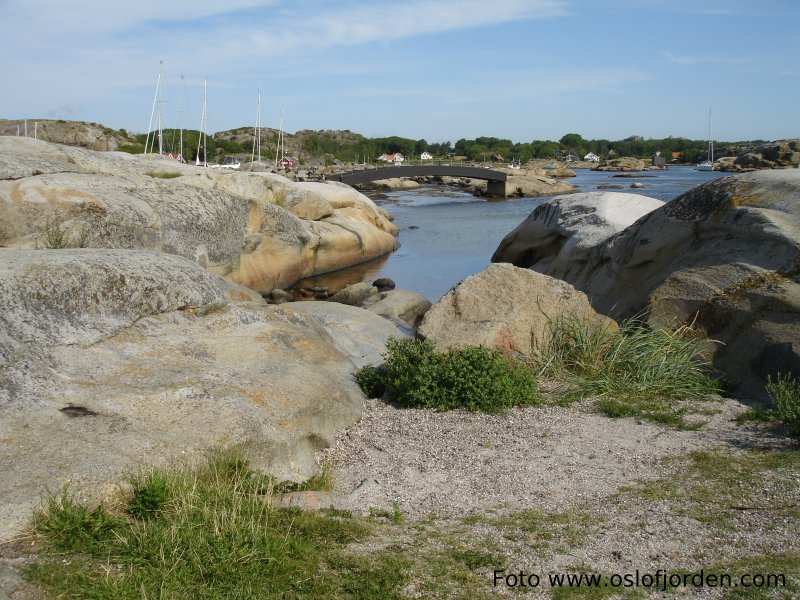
x,y
447,235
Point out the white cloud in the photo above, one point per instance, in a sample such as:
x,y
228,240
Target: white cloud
x,y
695,60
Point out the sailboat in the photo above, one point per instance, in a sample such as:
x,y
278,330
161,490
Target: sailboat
x,y
708,164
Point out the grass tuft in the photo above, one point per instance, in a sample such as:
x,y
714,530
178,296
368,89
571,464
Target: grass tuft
x,y
785,394
636,370
209,532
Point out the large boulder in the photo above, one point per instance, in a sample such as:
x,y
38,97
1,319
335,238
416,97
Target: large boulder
x,y
624,163
724,255
558,235
506,308
231,223
531,185
115,359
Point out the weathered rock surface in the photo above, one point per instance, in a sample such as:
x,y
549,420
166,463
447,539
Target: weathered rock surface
x,y
114,359
74,133
558,235
229,222
561,172
506,308
536,185
621,164
354,294
360,334
391,184
727,254
404,308
782,154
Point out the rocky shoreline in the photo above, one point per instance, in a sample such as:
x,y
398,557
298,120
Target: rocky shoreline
x,y
145,323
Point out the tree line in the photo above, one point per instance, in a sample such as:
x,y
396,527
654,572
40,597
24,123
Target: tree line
x,y
357,148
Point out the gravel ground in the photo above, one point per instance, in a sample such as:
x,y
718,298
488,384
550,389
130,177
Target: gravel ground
x,y
442,467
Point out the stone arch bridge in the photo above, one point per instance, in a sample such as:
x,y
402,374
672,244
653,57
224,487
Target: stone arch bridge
x,y
495,180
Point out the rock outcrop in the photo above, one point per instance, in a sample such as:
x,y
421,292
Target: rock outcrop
x,y
621,164
257,229
74,133
783,154
115,359
506,308
558,236
532,185
724,255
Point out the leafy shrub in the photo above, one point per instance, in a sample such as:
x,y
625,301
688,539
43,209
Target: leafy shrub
x,y
475,378
785,394
149,496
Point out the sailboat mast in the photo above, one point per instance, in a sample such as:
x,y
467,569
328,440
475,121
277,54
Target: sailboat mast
x,y
160,108
180,116
153,112
201,142
257,136
710,139
279,150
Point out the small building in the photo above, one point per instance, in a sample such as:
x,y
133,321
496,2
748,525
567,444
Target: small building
x,y
426,156
494,157
392,158
677,156
571,157
287,162
592,157
658,160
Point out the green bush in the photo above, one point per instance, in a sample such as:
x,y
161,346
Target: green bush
x,y
785,394
474,378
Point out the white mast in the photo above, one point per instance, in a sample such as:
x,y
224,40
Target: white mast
x,y
202,140
279,151
257,133
180,116
710,140
153,111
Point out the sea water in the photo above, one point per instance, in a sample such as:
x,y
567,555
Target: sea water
x,y
447,235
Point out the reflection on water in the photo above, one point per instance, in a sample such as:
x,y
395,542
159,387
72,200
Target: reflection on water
x,y
447,234
337,280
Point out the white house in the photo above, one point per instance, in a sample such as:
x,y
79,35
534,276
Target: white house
x,y
392,158
426,156
592,157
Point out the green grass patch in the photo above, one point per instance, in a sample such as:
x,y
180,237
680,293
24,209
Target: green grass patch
x,y
635,370
474,378
547,531
209,532
163,175
717,488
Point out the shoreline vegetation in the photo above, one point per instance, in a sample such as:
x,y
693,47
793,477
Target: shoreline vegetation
x,y
218,530
329,146
379,447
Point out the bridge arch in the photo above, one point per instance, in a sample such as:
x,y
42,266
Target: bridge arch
x,y
496,180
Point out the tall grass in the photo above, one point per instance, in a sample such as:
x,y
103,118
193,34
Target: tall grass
x,y
785,394
211,532
635,370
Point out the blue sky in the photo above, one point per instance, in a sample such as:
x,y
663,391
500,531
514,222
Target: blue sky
x,y
434,69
